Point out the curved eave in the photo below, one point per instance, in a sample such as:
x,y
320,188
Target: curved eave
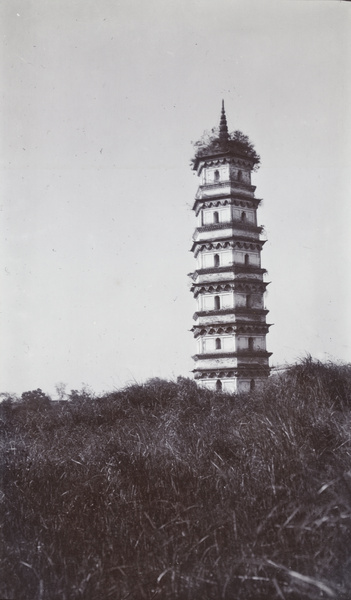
x,y
231,329
233,224
234,240
232,283
230,311
232,269
229,285
195,162
241,371
233,198
218,157
238,354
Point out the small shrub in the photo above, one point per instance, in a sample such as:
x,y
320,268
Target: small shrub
x,y
36,400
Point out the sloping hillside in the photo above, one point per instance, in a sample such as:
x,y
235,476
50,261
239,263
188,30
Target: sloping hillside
x,y
168,491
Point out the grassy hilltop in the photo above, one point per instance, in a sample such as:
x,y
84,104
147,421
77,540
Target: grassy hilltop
x,y
168,491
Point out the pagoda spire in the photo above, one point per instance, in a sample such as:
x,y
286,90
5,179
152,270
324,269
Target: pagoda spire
x,y
223,127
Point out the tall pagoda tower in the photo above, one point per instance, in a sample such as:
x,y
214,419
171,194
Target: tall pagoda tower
x,y
230,321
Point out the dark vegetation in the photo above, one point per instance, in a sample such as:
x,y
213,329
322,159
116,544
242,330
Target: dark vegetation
x,y
238,143
168,491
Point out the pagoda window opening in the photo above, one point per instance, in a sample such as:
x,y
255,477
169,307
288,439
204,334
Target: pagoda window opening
x,y
215,217
216,175
252,385
240,175
217,302
218,385
250,343
247,259
248,300
218,344
243,216
216,260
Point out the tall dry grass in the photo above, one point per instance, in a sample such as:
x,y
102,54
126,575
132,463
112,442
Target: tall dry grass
x,y
168,491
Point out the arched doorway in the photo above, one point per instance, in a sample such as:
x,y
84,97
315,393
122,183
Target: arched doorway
x,y
218,385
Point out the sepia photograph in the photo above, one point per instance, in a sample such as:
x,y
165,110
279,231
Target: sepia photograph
x,y
175,365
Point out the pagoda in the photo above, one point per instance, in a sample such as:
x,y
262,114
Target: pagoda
x,y
228,283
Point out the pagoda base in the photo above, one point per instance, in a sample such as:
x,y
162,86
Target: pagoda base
x,y
234,385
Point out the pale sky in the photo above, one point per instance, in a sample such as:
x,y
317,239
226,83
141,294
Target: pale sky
x,y
100,102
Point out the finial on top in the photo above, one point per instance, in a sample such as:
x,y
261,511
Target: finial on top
x,y
223,127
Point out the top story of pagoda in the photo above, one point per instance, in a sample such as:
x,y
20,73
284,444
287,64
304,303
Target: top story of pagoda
x,y
219,146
